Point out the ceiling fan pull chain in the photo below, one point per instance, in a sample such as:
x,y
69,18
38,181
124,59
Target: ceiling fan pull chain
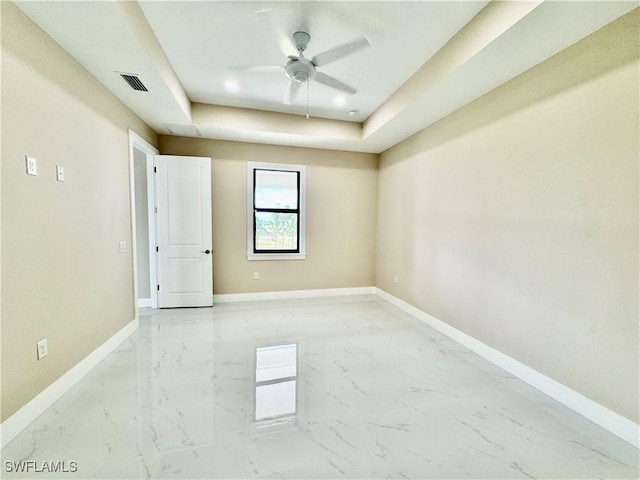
x,y
307,99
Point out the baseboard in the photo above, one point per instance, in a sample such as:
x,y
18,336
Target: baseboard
x,y
145,302
324,292
17,422
597,413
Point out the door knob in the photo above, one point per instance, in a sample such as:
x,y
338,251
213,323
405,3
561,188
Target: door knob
x,y
206,251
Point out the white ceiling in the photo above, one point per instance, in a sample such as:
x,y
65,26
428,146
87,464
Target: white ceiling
x,y
203,40
426,60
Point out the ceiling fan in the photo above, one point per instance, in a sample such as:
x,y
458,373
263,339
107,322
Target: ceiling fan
x,y
301,69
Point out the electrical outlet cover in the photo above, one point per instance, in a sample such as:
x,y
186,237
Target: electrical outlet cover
x,y
60,173
32,165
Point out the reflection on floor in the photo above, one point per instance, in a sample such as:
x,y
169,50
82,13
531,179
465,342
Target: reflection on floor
x,y
324,388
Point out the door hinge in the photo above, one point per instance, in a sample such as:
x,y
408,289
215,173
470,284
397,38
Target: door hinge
x,y
155,170
157,249
158,287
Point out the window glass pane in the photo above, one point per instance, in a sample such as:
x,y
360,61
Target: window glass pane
x,y
276,189
276,231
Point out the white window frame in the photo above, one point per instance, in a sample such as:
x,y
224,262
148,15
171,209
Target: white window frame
x,y
302,169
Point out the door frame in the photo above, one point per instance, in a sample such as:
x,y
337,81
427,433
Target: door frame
x,y
136,142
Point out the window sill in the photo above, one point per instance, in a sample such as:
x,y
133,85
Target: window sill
x,y
276,256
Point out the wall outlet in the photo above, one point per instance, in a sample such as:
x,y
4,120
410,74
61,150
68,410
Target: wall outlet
x,y
256,276
122,246
43,348
395,279
32,165
60,173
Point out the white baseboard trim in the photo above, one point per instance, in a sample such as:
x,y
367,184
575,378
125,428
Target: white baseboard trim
x,y
145,302
597,413
17,422
324,292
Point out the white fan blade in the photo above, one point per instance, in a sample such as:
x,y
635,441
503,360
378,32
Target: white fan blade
x,y
256,68
329,81
291,93
339,52
286,44
284,41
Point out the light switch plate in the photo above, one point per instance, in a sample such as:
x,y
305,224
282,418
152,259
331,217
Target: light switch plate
x,y
32,165
60,173
43,348
123,246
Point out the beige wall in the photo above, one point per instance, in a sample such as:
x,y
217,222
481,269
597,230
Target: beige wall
x,y
62,275
341,202
516,219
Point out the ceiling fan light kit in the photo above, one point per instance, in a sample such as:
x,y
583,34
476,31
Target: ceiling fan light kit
x,y
300,70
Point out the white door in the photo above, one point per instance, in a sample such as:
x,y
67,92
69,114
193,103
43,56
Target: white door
x,y
183,201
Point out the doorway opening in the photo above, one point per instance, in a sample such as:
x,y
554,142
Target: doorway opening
x,y
141,158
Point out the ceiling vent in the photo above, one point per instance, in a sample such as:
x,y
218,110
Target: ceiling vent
x,y
182,130
134,82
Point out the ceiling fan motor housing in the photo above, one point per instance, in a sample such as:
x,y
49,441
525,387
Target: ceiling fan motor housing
x,y
300,70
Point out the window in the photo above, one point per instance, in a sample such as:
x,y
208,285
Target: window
x,y
275,211
276,382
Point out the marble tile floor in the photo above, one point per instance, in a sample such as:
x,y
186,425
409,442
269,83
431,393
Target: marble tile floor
x,y
347,387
